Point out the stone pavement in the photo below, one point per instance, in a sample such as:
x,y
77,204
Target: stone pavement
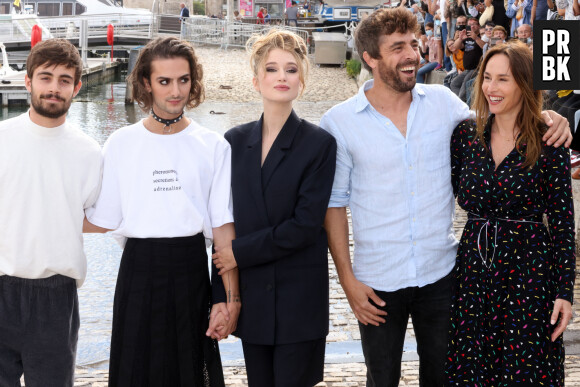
x,y
344,328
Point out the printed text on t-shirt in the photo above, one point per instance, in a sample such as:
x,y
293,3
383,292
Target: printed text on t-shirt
x,y
165,181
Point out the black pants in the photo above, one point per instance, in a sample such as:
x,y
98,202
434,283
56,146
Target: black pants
x,y
39,324
429,308
285,365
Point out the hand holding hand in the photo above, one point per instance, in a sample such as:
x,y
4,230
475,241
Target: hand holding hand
x,y
219,318
563,313
224,259
234,311
358,295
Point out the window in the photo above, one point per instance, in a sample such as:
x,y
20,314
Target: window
x,y
4,8
79,9
67,9
48,9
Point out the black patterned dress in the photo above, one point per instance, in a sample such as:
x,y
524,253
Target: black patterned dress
x,y
510,267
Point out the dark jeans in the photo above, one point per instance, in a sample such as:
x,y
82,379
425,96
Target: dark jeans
x,y
429,308
459,84
446,59
39,323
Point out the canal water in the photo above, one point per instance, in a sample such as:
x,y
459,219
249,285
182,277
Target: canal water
x,y
100,110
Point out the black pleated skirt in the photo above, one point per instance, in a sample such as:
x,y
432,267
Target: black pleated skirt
x,y
160,316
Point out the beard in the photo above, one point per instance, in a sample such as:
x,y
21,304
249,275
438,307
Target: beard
x,y
50,110
392,77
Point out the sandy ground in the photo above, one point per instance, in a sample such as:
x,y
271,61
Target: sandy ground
x,y
232,68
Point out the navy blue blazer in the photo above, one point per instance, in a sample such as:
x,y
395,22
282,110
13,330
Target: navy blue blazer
x,y
281,246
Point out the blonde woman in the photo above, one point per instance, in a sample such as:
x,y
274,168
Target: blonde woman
x,y
282,174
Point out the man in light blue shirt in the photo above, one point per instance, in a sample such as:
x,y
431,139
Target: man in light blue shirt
x,y
393,171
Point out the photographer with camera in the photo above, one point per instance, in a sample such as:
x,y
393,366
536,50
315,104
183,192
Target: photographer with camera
x,y
468,40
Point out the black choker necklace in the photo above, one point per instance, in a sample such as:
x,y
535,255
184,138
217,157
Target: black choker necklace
x,y
167,128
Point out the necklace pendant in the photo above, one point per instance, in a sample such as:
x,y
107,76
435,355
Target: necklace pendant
x,y
167,129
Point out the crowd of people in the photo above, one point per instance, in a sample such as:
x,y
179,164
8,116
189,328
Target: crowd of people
x,y
473,28
271,198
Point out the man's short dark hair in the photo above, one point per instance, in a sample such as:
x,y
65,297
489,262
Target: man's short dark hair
x,y
489,24
55,52
384,21
293,2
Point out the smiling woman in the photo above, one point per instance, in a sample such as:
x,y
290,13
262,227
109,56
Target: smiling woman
x,y
514,276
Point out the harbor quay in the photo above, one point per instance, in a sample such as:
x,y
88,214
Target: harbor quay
x,y
231,100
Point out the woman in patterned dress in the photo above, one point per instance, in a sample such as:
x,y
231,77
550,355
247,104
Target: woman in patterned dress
x,y
514,275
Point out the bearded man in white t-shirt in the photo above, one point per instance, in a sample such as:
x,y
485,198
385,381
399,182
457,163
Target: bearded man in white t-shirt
x,y
50,172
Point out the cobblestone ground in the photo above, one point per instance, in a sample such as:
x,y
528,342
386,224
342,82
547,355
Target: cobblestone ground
x,y
343,327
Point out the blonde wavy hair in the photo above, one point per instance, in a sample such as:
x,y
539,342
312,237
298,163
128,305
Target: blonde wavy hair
x,y
259,46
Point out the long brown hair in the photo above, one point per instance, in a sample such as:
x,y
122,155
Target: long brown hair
x,y
165,48
529,118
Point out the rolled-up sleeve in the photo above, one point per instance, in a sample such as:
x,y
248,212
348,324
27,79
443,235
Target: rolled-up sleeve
x,y
340,194
220,198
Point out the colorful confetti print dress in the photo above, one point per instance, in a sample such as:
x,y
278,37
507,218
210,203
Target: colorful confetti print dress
x,y
510,267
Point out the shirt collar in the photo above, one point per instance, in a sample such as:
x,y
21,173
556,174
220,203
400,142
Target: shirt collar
x,y
362,101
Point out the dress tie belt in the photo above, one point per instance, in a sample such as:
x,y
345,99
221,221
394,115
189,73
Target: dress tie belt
x,y
492,222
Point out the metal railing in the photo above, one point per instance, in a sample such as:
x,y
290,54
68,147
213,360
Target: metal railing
x,y
229,34
18,29
196,29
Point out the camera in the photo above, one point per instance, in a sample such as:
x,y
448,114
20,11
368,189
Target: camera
x,y
494,41
461,27
467,28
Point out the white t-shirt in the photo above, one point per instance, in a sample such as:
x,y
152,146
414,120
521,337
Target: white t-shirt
x,y
164,186
48,176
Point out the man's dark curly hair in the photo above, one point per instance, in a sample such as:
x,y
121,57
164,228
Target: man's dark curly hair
x,y
384,21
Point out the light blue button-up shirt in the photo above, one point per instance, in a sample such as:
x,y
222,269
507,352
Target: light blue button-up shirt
x,y
398,189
